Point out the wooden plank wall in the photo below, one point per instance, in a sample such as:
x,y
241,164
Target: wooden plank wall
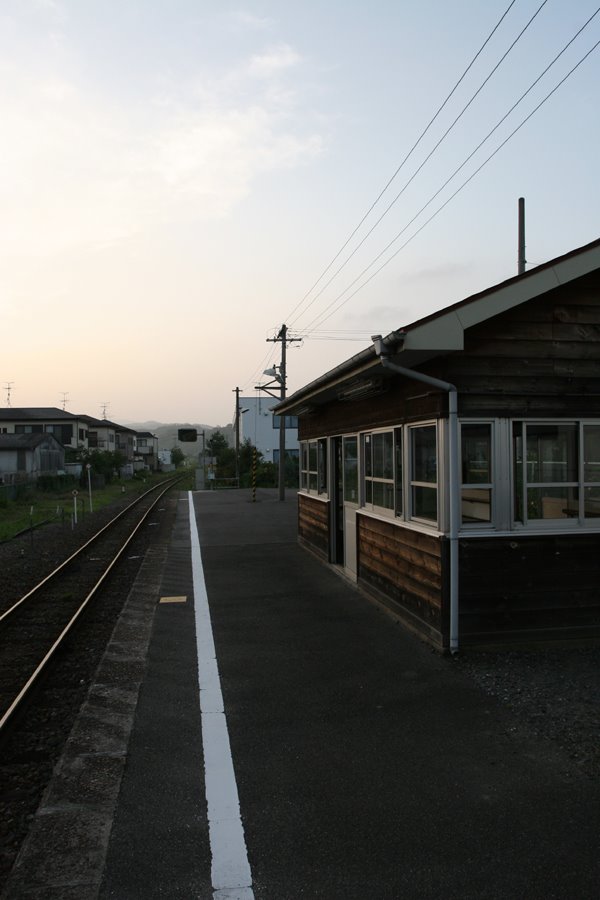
x,y
405,569
540,359
529,588
313,524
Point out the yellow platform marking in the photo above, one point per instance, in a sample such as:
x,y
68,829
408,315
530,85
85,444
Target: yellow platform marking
x,y
173,600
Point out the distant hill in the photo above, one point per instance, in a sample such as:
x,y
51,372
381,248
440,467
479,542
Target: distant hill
x,y
167,434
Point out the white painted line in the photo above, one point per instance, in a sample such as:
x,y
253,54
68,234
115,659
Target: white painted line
x,y
230,870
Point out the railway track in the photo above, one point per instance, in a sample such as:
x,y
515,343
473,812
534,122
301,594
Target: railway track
x,y
35,626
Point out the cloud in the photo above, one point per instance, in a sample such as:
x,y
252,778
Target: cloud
x,y
250,21
78,168
276,60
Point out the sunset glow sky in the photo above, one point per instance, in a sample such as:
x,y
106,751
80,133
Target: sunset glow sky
x,y
176,176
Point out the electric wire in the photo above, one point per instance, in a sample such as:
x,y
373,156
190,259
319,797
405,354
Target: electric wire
x,y
405,160
426,160
460,167
320,319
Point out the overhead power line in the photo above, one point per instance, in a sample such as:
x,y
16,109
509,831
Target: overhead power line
x,y
318,321
406,158
424,162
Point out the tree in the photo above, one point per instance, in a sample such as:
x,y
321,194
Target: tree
x,y
177,457
104,462
217,444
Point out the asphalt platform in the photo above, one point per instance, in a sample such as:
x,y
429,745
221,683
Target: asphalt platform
x,y
365,766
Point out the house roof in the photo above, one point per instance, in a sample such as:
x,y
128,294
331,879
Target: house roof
x,y
146,434
443,331
34,413
26,441
105,423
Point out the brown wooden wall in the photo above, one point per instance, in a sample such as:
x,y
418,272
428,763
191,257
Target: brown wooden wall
x,y
529,588
401,401
405,569
540,359
313,524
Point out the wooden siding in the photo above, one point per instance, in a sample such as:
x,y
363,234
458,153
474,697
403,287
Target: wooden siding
x,y
401,401
313,524
405,570
529,588
540,359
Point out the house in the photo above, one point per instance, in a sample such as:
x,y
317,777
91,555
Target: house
x,y
26,456
146,450
452,468
70,430
260,425
111,437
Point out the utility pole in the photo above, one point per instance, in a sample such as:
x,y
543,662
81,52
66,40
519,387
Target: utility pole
x,y
284,340
237,436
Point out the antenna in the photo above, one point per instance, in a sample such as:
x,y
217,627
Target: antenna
x,y
7,387
65,397
104,406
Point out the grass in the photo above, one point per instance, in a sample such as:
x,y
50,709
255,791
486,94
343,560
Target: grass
x,y
34,507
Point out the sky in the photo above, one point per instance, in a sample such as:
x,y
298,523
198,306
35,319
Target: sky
x,y
179,178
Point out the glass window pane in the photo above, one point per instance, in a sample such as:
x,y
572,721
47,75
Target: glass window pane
x,y
388,455
591,453
383,494
351,469
591,502
551,453
322,465
476,448
476,505
424,454
378,450
312,456
552,503
398,472
368,456
312,481
425,503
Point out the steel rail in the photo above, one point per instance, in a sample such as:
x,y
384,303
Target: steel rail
x,y
90,541
50,653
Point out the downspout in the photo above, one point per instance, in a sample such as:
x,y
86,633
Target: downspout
x,y
454,487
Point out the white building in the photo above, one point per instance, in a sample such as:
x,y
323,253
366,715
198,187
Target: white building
x,y
261,427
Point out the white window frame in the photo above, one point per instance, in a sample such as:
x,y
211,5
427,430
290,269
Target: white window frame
x,y
320,472
374,479
495,467
412,482
575,523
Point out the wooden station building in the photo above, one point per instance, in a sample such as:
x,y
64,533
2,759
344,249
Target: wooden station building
x,y
452,468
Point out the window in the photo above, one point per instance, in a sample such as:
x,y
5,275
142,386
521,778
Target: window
x,y
556,472
423,482
545,471
290,421
591,471
350,457
379,469
313,465
476,459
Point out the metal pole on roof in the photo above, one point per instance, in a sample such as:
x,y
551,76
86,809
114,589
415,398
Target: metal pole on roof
x,y
522,261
